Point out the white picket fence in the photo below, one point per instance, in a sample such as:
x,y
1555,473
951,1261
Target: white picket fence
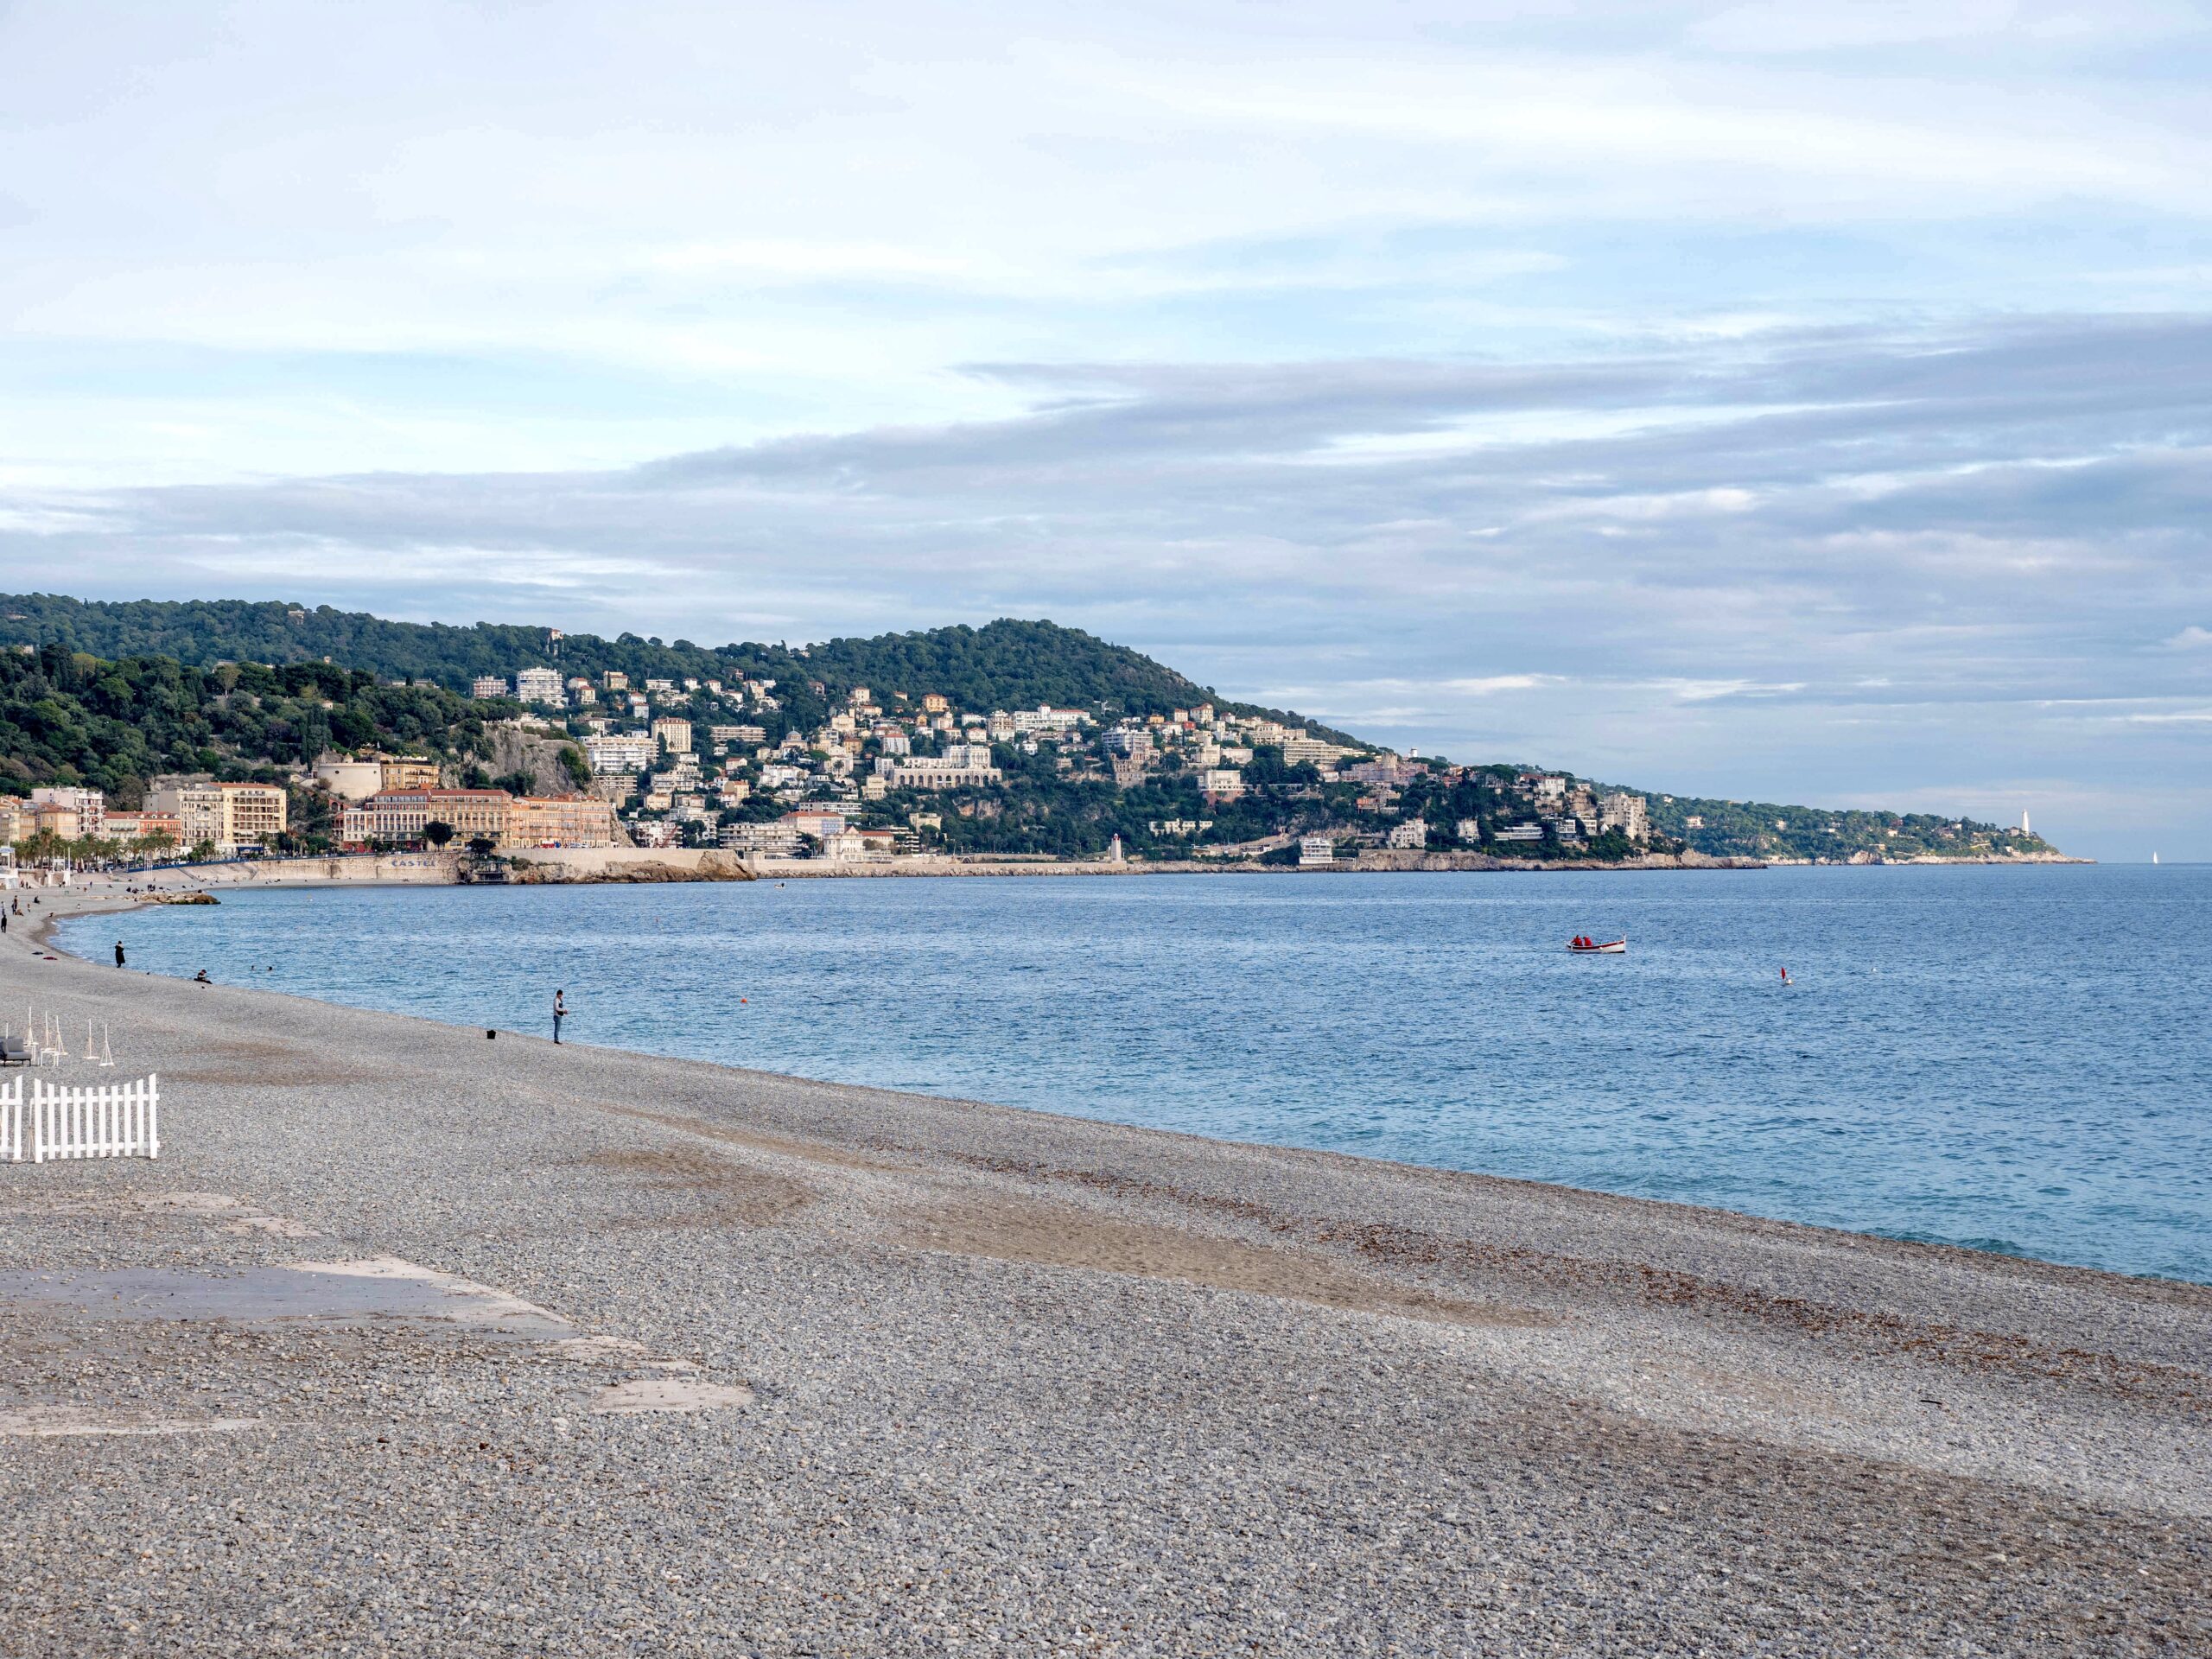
x,y
114,1121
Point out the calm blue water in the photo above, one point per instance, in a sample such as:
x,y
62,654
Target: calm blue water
x,y
2015,1060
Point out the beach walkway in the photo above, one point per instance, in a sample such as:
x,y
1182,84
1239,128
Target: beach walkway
x,y
414,1342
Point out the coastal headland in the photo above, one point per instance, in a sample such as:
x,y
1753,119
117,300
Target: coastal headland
x,y
422,1340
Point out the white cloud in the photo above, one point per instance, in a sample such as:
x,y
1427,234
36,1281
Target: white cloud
x,y
1534,378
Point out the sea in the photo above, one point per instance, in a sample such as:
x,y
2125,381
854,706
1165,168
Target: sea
x,y
2016,1059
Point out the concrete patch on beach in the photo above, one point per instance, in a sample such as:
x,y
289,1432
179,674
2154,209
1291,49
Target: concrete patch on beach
x,y
43,1422
668,1394
382,1289
602,1350
430,1294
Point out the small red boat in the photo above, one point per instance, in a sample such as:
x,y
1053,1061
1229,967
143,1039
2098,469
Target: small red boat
x,y
1592,948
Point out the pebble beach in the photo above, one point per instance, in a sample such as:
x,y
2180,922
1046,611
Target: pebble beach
x,y
417,1340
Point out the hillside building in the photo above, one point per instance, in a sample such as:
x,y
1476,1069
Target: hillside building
x,y
88,806
560,821
540,685
402,815
227,816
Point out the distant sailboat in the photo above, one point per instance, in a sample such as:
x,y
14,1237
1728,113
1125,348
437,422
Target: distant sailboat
x,y
2154,858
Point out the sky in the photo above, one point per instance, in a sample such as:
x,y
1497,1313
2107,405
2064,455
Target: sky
x,y
1797,402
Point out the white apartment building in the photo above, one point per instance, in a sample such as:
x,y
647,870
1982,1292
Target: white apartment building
x,y
1125,740
961,766
489,685
1223,783
1046,718
765,840
1315,849
1412,833
620,754
540,685
1626,813
1301,750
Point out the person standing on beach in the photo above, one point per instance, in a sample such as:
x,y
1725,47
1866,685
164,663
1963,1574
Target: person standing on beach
x,y
560,1012
119,953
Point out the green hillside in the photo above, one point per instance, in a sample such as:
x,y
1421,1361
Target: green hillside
x,y
67,717
112,694
1003,664
1770,830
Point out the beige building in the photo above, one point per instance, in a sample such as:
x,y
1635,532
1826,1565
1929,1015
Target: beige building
x,y
560,821
15,820
51,818
89,804
676,733
196,805
1626,813
253,814
128,827
402,815
226,815
407,771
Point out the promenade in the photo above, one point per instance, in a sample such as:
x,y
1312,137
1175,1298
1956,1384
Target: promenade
x,y
416,1341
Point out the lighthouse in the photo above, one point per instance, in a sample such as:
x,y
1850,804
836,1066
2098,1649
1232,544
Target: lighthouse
x,y
2023,823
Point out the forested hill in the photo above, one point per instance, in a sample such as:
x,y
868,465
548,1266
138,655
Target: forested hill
x,y
1004,665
